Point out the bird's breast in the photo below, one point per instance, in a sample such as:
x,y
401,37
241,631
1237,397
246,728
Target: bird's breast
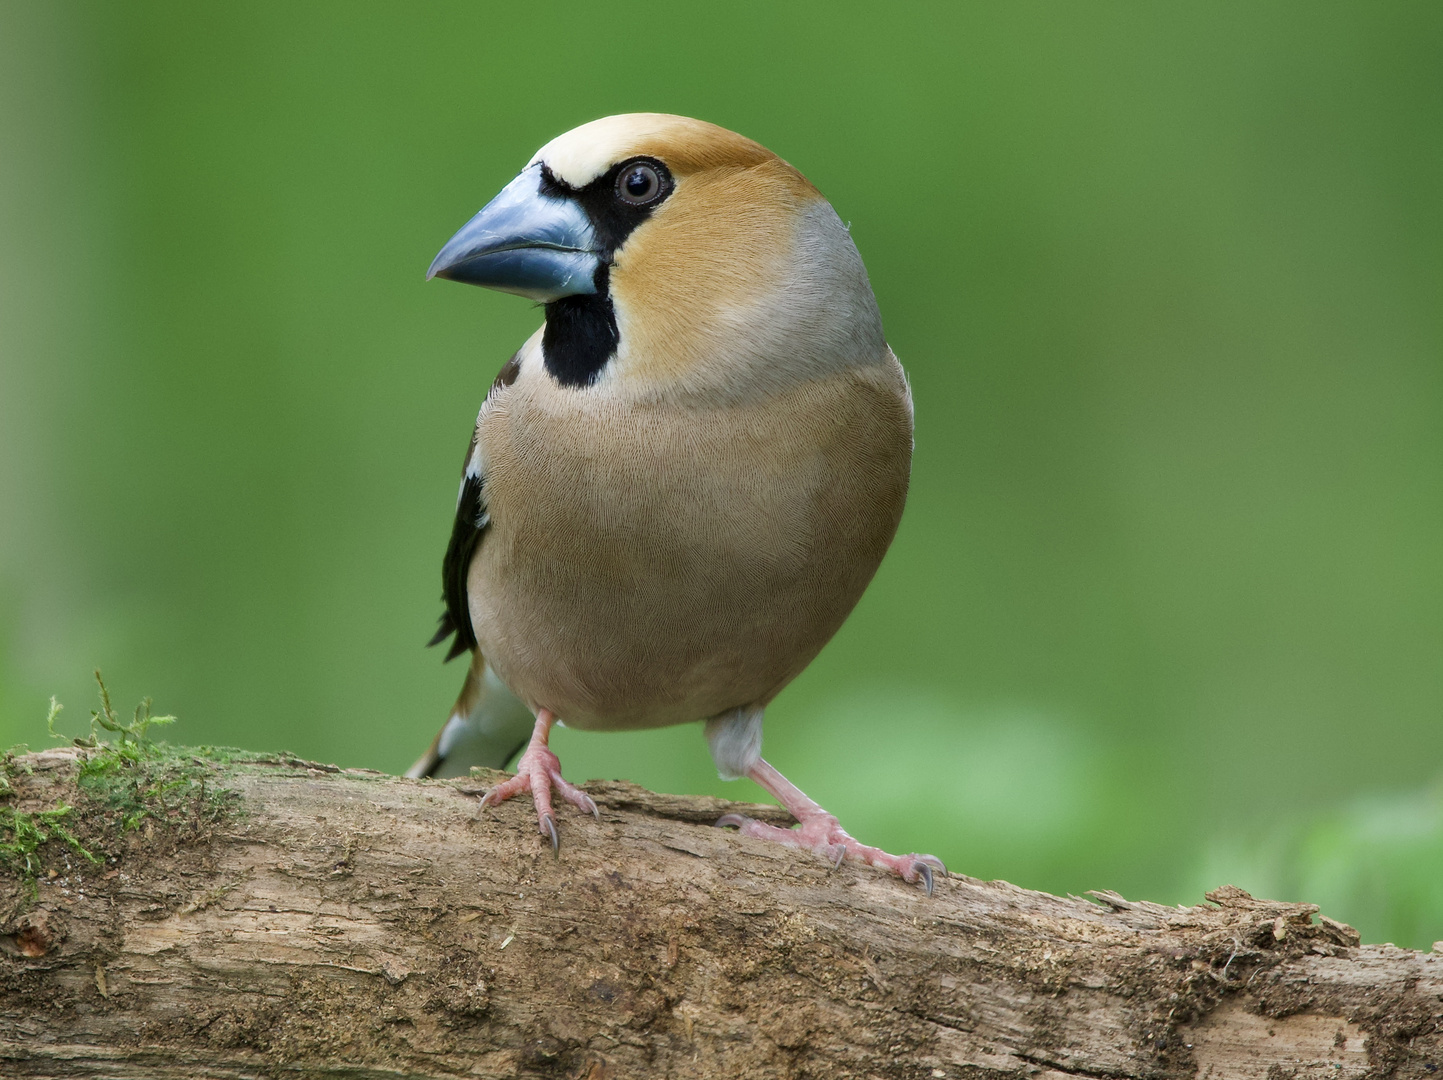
x,y
648,564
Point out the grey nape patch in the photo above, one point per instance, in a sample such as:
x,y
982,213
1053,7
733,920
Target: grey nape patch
x,y
735,739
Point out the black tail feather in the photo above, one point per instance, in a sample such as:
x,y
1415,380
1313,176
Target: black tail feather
x,y
445,630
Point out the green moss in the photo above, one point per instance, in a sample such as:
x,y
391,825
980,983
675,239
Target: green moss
x,y
123,781
131,741
135,778
22,834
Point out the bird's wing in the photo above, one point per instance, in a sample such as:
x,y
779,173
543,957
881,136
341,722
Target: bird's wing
x,y
470,525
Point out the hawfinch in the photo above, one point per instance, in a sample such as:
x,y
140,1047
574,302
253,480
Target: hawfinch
x,y
679,486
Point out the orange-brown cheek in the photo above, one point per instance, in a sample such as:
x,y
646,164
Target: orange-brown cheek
x,y
724,237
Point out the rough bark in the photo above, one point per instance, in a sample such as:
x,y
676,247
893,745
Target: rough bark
x,y
323,922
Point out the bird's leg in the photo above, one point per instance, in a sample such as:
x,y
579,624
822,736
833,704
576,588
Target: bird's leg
x,y
539,770
820,832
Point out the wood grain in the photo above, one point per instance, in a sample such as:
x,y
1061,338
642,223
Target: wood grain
x,y
341,923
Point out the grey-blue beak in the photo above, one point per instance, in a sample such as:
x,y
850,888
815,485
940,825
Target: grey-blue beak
x,y
524,242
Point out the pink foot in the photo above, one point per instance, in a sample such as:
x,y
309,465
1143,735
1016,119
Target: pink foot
x,y
538,771
820,832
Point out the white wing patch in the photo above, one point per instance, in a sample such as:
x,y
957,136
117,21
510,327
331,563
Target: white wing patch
x,y
476,471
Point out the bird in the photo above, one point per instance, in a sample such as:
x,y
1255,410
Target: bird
x,y
679,486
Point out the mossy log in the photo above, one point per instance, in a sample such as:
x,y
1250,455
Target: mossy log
x,y
274,917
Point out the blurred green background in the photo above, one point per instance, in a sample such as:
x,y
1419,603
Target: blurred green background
x,y
1166,609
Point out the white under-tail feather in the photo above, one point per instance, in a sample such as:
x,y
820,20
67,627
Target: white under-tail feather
x,y
488,725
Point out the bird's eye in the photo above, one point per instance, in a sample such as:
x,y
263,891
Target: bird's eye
x,y
638,184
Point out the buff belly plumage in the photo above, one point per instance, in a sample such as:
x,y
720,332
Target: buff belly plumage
x,y
699,569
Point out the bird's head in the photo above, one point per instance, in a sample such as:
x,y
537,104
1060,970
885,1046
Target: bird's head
x,y
673,256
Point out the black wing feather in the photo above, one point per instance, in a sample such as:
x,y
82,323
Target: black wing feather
x,y
466,533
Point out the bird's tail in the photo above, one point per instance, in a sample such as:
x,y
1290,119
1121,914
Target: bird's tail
x,y
488,726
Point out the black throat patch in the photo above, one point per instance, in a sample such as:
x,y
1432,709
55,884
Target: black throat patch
x,y
580,336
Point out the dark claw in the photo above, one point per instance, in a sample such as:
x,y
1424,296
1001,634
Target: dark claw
x,y
594,811
736,820
548,826
936,864
925,872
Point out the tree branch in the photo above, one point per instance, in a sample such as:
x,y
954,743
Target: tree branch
x,y
325,922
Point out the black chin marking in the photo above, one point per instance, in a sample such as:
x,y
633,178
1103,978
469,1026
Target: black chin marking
x,y
581,335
